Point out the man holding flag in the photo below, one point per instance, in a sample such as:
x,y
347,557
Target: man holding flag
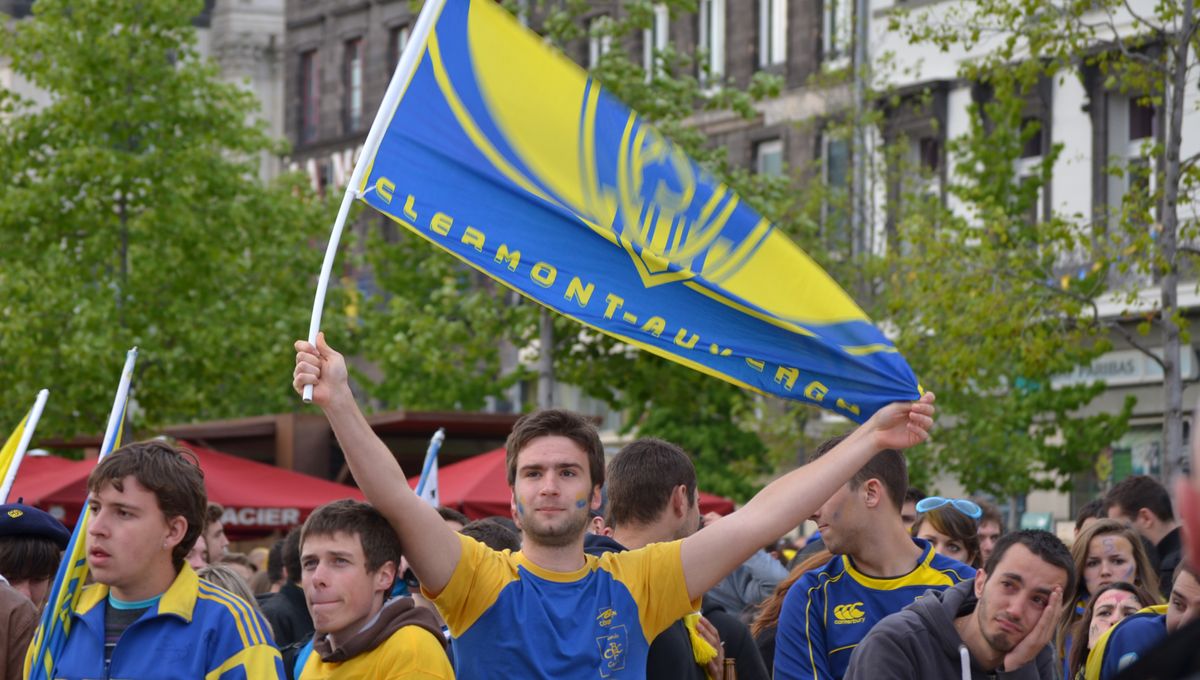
x,y
148,614
549,610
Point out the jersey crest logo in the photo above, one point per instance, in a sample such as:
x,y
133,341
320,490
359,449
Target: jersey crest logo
x,y
612,650
605,617
849,613
15,513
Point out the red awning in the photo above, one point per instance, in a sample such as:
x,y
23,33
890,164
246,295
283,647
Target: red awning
x,y
478,487
41,475
258,498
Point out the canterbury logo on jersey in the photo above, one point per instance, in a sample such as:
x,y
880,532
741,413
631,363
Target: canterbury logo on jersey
x,y
849,613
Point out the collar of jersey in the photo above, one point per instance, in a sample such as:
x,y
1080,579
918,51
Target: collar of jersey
x,y
179,599
912,578
589,565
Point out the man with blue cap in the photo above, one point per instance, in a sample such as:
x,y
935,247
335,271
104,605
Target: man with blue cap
x,y
31,545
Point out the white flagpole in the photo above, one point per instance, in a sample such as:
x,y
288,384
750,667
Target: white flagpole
x,y
35,414
400,80
120,403
427,485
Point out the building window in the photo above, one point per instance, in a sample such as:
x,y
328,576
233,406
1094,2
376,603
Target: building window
x,y
352,103
599,39
712,41
397,41
772,32
310,95
837,24
654,39
1139,170
1033,145
835,207
929,153
768,157
1141,120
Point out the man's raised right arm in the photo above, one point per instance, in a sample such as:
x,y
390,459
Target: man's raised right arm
x,y
432,548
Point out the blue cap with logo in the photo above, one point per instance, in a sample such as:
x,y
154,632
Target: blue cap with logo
x,y
18,519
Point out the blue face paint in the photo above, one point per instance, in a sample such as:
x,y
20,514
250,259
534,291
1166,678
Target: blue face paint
x,y
581,503
520,508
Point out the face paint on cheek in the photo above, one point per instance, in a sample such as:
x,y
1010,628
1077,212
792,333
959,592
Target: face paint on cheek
x,y
581,502
520,508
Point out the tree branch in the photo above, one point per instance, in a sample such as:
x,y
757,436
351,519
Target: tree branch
x,y
1133,341
1113,325
1140,19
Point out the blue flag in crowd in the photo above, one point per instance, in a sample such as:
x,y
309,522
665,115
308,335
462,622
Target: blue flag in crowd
x,y
505,153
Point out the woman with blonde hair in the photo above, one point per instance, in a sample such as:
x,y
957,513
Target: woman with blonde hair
x,y
1105,552
224,576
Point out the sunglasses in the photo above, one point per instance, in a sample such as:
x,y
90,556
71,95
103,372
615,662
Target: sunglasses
x,y
964,506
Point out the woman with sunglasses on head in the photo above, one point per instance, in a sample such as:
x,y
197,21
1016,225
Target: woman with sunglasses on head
x,y
951,526
1111,603
1105,552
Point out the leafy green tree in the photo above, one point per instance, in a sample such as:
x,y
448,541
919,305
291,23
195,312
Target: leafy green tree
x,y
131,214
1143,50
985,317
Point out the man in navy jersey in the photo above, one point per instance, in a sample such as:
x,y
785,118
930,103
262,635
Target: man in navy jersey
x,y
877,570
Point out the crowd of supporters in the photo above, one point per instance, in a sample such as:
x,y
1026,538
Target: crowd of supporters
x,y
629,583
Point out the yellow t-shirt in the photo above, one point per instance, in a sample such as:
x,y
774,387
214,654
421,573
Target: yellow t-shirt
x,y
513,619
412,653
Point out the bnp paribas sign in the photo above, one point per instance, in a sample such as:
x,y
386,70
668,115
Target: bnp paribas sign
x,y
1127,367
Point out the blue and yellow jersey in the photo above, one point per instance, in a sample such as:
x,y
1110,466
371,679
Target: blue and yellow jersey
x,y
829,610
513,619
1126,642
196,630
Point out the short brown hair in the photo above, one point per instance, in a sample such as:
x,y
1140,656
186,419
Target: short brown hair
x,y
492,534
380,544
1137,492
28,558
888,466
174,479
213,514
990,513
641,478
556,422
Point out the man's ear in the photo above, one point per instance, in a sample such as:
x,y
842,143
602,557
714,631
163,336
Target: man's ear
x,y
980,582
872,492
680,503
177,526
512,508
597,498
1144,518
385,576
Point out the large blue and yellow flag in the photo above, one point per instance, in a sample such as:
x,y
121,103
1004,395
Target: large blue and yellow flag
x,y
507,154
51,636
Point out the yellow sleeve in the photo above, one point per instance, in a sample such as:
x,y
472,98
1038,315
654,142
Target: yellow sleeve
x,y
654,577
413,653
478,578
